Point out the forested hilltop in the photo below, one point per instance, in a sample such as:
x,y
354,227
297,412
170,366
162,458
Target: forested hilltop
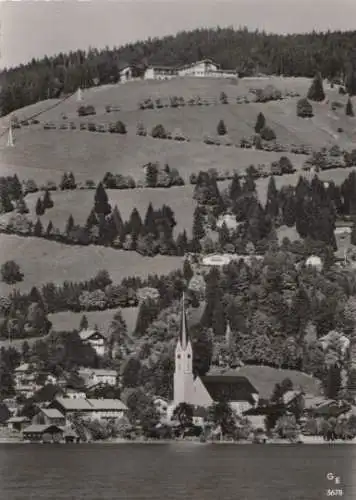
x,y
251,53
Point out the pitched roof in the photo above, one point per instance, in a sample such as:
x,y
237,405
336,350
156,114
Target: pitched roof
x,y
231,387
74,404
39,429
14,420
52,413
23,368
81,404
89,332
107,404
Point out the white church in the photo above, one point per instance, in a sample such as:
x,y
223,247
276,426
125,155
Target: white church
x,y
204,391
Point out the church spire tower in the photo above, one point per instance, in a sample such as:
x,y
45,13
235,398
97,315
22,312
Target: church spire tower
x,y
183,374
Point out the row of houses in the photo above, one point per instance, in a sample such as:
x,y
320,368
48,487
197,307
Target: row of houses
x,y
205,68
55,419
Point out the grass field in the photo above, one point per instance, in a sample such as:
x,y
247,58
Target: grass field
x,y
264,378
80,203
44,155
66,321
42,261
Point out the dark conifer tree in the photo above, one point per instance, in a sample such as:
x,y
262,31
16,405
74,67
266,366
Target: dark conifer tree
x,y
101,204
117,220
49,230
198,231
47,200
38,229
221,128
39,207
260,123
349,110
15,188
272,204
151,175
83,325
147,313
235,189
224,235
182,243
69,225
316,90
150,223
92,220
135,223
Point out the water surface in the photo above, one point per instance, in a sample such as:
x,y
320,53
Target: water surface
x,y
174,471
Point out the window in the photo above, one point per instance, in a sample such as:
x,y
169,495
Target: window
x,y
189,356
178,356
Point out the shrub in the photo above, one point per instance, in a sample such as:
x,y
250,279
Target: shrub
x,y
159,132
91,127
267,134
141,130
86,110
223,98
11,273
304,108
286,165
178,135
221,128
269,93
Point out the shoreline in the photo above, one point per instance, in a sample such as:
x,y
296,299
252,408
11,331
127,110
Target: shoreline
x,y
309,441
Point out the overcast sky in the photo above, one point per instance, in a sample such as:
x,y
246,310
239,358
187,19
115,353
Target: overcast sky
x,y
35,28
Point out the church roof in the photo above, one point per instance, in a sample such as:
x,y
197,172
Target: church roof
x,y
230,387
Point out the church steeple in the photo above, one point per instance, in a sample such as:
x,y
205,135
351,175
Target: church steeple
x,y
183,373
184,333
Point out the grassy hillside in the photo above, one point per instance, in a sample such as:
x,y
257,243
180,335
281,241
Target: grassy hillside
x,y
42,155
42,261
264,378
68,320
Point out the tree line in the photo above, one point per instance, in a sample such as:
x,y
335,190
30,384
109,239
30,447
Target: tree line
x,y
249,52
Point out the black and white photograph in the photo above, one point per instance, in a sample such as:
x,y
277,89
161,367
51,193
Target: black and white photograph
x,y
177,250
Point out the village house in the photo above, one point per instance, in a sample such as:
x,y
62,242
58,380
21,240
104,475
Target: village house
x,y
72,393
126,73
91,409
17,423
94,377
95,339
204,391
203,69
46,433
49,416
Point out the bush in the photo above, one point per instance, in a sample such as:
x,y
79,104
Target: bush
x,y
11,273
304,108
286,165
223,98
159,132
267,134
269,93
91,127
86,110
117,128
141,130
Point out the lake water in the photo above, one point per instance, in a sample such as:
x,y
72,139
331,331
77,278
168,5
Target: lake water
x,y
175,471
